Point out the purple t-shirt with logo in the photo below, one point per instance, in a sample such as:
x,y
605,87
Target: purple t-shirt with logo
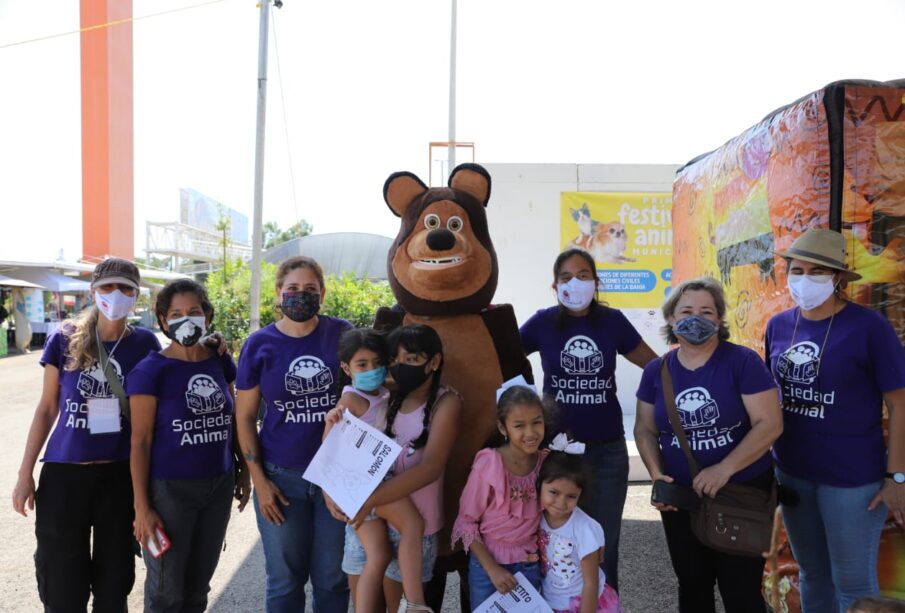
x,y
710,407
298,382
832,393
71,440
193,428
579,363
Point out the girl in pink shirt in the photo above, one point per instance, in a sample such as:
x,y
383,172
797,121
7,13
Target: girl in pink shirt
x,y
363,358
499,512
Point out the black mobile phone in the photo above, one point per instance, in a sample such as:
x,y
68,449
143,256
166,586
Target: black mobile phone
x,y
675,495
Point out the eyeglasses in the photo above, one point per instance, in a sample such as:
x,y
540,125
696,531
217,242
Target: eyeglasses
x,y
107,288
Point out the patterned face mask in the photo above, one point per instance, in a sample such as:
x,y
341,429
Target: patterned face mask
x,y
187,330
300,306
695,329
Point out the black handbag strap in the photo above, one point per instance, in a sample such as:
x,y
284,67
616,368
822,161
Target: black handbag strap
x,y
113,380
669,399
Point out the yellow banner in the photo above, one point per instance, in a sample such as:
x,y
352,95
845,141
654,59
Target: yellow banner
x,y
630,237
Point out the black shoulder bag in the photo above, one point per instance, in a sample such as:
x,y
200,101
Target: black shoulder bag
x,y
739,520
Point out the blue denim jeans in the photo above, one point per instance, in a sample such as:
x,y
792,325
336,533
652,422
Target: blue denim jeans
x,y
835,541
480,587
604,498
308,544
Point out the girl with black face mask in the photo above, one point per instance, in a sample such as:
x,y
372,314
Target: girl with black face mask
x,y
423,417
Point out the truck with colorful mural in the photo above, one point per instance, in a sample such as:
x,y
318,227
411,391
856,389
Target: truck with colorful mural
x,y
834,158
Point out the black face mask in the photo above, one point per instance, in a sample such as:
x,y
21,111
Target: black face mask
x,y
300,306
409,377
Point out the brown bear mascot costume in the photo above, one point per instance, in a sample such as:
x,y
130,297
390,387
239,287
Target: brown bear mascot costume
x,y
443,271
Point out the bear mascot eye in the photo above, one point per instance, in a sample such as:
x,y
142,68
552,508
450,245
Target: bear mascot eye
x,y
455,223
432,222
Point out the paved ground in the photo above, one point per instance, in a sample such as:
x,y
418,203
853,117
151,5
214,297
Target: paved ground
x,y
647,580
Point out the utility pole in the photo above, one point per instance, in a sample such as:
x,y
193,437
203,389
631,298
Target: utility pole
x,y
257,224
451,156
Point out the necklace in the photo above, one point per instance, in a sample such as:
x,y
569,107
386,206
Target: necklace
x,y
826,336
97,337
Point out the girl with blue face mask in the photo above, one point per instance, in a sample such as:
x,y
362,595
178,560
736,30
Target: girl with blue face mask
x,y
363,358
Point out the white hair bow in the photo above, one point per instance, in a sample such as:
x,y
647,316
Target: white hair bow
x,y
561,442
516,380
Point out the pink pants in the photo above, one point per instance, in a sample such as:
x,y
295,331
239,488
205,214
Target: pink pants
x,y
607,603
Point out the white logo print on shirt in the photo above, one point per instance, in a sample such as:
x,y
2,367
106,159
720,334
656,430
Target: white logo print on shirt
x,y
800,363
308,374
203,395
92,382
696,408
698,414
580,356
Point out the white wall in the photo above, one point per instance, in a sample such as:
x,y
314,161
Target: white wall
x,y
524,218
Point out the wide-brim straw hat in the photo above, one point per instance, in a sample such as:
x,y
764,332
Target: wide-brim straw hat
x,y
823,247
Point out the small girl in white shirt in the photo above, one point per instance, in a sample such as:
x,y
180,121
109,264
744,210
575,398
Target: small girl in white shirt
x,y
571,542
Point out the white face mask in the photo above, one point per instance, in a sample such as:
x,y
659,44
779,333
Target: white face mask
x,y
115,305
576,295
186,330
810,291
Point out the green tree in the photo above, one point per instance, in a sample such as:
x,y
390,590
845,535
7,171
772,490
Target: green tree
x,y
272,235
229,293
356,299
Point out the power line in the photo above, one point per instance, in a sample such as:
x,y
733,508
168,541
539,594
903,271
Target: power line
x,y
107,24
276,47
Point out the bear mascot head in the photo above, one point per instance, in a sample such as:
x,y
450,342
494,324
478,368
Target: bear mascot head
x,y
442,261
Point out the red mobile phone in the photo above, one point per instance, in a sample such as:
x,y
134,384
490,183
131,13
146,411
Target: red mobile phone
x,y
162,539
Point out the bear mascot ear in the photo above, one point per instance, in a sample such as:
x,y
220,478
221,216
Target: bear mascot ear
x,y
400,191
473,180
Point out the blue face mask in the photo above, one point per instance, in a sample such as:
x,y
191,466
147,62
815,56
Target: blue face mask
x,y
695,329
369,380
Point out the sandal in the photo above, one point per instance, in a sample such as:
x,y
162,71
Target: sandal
x,y
405,606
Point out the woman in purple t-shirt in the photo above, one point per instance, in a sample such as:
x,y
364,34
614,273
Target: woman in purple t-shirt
x,y
182,462
578,340
83,505
836,363
729,410
293,364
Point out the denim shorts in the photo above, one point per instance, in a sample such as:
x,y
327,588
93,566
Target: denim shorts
x,y
354,555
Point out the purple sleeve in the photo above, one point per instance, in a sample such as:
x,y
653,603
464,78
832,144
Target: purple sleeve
x,y
143,378
248,375
627,338
528,332
754,376
155,343
53,351
229,368
647,389
886,355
